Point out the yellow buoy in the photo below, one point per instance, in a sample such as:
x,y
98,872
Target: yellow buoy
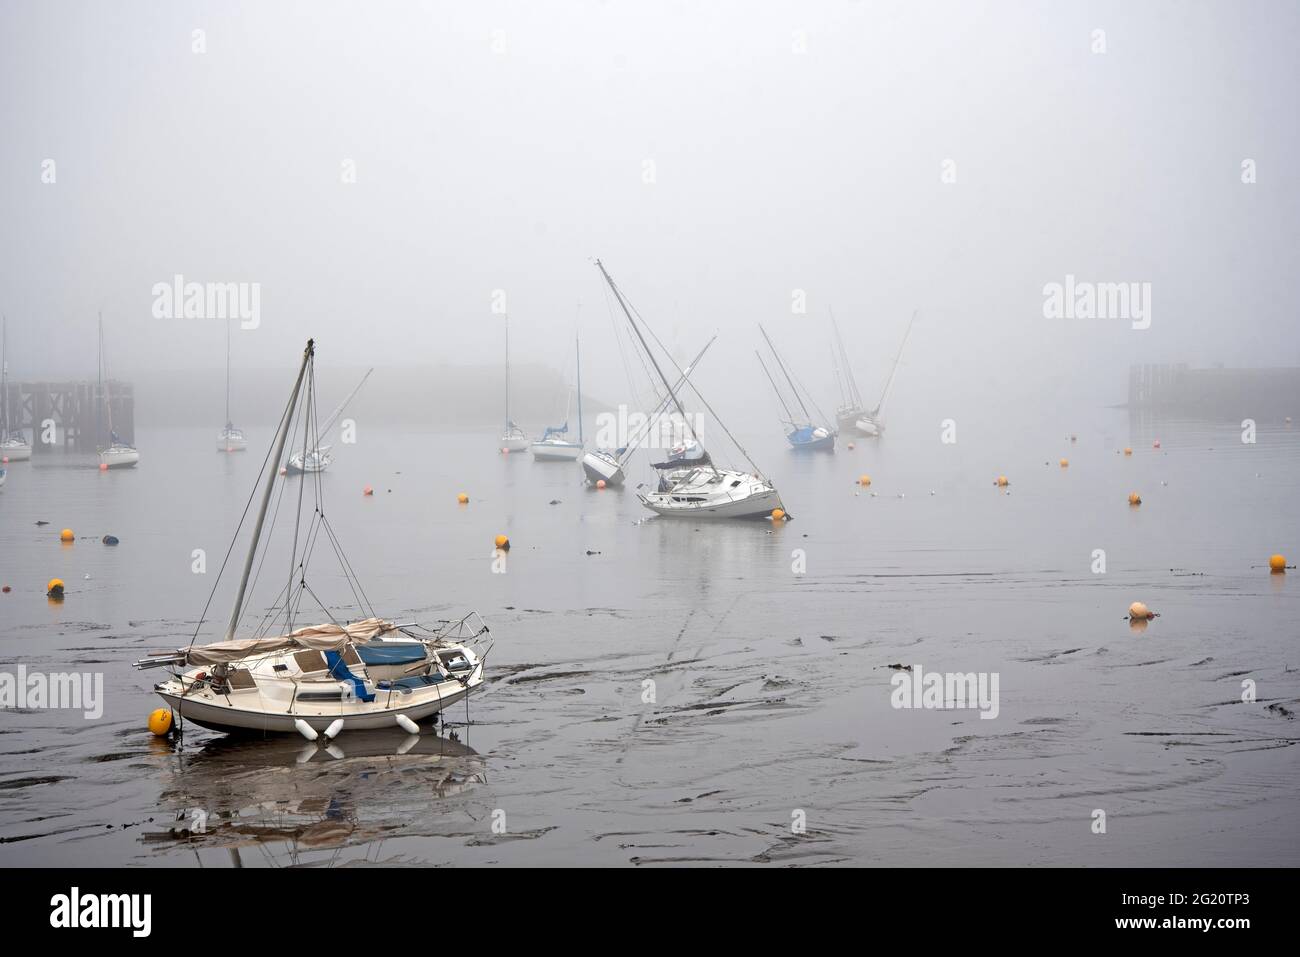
x,y
1128,451
55,588
1134,498
864,479
778,514
1277,563
1001,481
462,498
66,535
160,721
1065,463
1139,611
503,542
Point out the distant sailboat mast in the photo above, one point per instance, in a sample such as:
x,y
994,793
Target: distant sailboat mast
x,y
781,365
779,396
577,348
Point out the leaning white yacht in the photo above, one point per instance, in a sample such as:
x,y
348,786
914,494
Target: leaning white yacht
x,y
699,490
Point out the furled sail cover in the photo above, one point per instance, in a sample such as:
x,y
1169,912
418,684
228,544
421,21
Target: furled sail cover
x,y
327,637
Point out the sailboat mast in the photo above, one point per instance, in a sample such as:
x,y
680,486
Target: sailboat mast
x,y
507,371
577,348
781,366
889,383
227,371
4,377
644,345
280,439
780,397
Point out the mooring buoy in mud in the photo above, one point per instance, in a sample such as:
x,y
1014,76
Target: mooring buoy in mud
x,y
864,480
503,543
778,514
1140,612
1065,463
66,535
1277,564
462,498
54,589
1134,498
160,722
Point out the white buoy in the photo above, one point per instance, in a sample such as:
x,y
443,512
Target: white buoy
x,y
333,730
406,724
306,730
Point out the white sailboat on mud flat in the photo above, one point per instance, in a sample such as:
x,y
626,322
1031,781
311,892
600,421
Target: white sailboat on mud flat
x,y
231,439
118,454
690,485
553,446
321,678
316,457
513,438
14,446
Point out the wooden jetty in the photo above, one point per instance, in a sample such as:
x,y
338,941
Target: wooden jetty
x,y
76,410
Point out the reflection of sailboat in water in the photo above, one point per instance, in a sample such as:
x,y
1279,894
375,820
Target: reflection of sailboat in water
x,y
319,457
119,454
232,793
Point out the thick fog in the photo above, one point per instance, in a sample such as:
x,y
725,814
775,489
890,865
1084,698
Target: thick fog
x,y
395,177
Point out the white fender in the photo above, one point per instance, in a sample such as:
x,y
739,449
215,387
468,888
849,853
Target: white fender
x,y
306,730
407,724
333,730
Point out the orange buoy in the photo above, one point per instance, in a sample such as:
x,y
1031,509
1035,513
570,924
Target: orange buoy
x,y
462,498
54,589
1140,612
864,480
160,721
1065,463
778,514
1127,450
505,451
367,491
66,535
600,483
1277,563
103,466
503,543
1001,481
1134,498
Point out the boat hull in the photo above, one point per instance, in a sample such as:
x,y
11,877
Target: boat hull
x,y
514,444
868,426
812,440
233,720
232,442
750,499
119,458
599,467
556,452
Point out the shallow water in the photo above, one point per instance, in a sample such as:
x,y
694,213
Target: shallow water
x,y
771,688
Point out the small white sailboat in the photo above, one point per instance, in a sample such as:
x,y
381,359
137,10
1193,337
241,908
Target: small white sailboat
x,y
319,457
702,491
553,446
14,446
513,438
325,678
851,408
119,454
871,423
231,439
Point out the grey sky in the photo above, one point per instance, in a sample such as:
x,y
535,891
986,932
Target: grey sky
x,y
774,170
